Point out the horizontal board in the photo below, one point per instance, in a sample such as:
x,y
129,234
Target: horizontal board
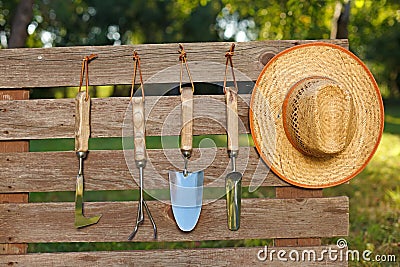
x,y
109,170
61,66
54,118
239,256
260,219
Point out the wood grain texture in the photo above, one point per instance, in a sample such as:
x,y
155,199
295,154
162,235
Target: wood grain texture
x,y
293,192
187,119
139,129
13,147
30,68
109,170
239,256
82,122
297,192
232,124
14,198
260,219
50,118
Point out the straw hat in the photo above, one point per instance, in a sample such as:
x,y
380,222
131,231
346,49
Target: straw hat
x,y
316,115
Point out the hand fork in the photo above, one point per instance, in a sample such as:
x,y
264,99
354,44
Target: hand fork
x,y
140,214
140,159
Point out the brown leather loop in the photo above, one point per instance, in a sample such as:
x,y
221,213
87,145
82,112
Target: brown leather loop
x,y
136,67
229,54
183,59
85,66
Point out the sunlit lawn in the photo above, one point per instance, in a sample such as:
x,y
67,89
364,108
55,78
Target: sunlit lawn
x,y
375,202
375,195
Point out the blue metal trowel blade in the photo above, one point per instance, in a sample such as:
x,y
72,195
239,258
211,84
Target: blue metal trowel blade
x,y
186,198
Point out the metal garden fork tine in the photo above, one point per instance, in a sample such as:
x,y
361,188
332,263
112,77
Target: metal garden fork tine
x,y
142,202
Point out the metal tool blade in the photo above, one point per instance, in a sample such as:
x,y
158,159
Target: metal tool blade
x,y
233,187
80,219
186,198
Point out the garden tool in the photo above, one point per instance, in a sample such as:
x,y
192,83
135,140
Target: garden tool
x,y
139,139
82,133
186,188
233,180
140,160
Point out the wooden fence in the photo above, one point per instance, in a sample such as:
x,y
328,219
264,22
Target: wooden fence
x,y
296,218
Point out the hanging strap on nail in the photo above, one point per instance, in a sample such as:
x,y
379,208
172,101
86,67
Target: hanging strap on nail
x,y
85,66
183,60
136,68
229,54
82,110
187,110
139,127
232,126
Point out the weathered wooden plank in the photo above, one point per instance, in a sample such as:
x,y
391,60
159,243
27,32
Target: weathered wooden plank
x,y
260,219
296,192
12,147
49,118
239,256
108,170
44,67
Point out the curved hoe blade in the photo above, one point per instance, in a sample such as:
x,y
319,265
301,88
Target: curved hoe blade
x,y
80,219
186,198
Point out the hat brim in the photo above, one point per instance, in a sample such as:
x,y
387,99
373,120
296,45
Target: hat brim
x,y
266,123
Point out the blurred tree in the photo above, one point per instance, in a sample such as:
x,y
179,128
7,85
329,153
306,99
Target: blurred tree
x,y
99,22
373,26
374,35
286,19
22,17
340,21
373,29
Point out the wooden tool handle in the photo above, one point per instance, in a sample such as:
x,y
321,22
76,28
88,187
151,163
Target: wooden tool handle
x,y
187,119
139,136
82,122
232,118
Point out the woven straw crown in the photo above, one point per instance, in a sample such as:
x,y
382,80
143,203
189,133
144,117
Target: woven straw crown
x,y
316,115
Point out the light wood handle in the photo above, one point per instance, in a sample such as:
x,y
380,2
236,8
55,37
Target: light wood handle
x,y
82,122
187,119
139,137
232,118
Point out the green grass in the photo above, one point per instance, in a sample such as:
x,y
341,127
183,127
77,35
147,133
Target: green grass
x,y
374,196
152,142
375,202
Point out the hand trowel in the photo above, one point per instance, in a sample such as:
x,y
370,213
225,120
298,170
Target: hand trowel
x,y
186,188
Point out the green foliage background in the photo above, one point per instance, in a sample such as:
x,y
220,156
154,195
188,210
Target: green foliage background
x,y
374,28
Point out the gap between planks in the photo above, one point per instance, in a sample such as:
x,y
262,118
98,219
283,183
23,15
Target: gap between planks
x,y
295,193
